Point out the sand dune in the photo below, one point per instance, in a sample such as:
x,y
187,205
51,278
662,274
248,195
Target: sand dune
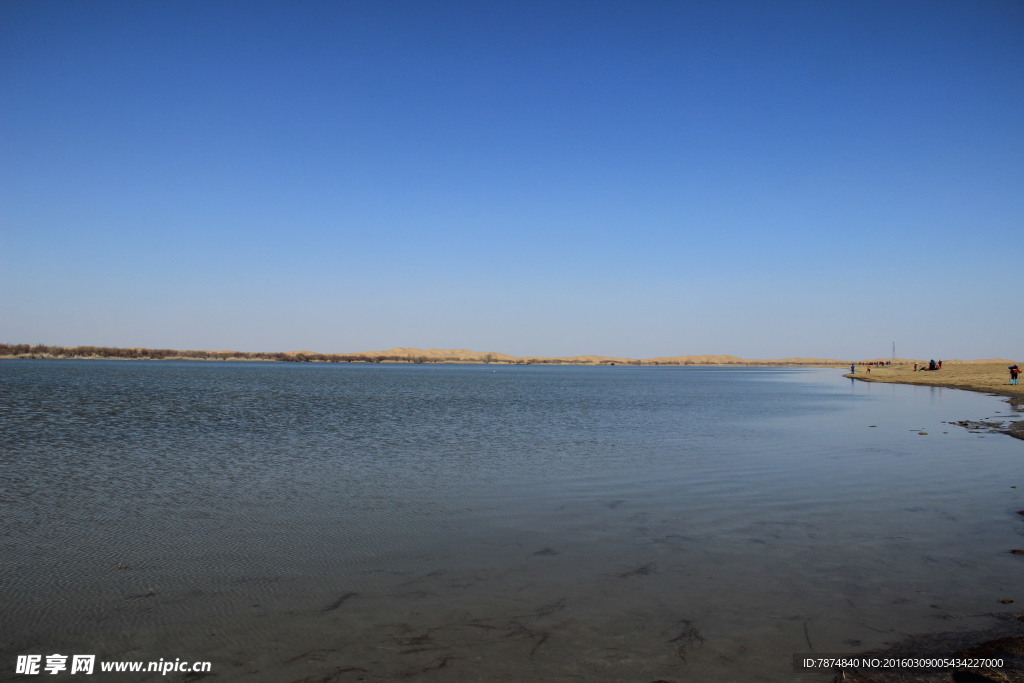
x,y
468,356
436,355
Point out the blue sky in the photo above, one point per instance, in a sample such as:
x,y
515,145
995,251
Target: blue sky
x,y
645,178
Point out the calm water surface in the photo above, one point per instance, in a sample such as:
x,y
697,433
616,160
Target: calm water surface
x,y
492,523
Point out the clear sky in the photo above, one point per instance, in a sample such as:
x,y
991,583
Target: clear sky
x,y
635,178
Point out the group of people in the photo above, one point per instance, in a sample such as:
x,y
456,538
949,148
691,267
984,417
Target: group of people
x,y
853,366
932,365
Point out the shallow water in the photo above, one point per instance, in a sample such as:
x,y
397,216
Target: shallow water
x,y
493,522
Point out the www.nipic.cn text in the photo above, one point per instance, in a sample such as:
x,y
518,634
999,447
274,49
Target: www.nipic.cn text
x,y
86,664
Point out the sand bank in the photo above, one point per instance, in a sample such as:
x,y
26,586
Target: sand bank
x,y
992,378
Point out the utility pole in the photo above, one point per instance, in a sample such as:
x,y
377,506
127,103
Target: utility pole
x,y
894,351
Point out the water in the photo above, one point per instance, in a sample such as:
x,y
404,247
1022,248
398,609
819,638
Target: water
x,y
368,522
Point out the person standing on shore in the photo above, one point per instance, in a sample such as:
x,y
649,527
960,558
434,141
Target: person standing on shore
x,y
1014,374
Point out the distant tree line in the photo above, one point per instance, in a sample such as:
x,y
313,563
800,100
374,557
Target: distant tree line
x,y
44,351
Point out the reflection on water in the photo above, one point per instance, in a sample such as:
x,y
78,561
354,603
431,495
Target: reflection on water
x,y
492,523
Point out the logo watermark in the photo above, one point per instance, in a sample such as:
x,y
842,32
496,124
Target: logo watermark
x,y
56,663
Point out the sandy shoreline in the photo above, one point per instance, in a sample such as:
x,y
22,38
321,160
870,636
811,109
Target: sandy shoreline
x,y
992,378
989,378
